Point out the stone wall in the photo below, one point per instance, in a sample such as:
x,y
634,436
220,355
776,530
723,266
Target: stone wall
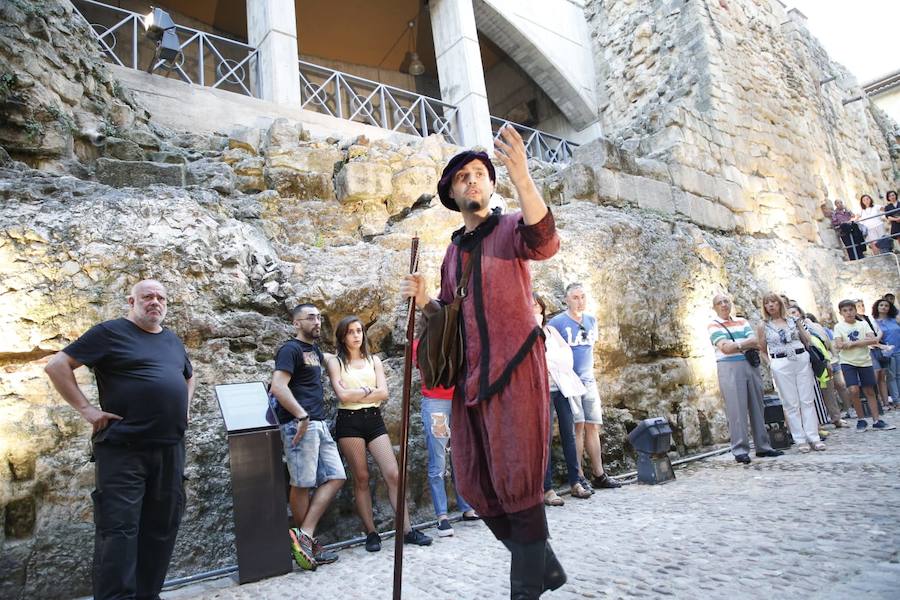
x,y
732,93
242,224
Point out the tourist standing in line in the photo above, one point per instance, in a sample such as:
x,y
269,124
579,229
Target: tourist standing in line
x,y
827,393
782,345
886,316
739,381
881,387
358,380
852,239
579,329
312,458
873,218
564,384
437,409
853,338
500,415
892,215
146,383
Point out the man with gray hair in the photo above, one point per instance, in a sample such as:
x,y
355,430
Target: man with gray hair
x,y
579,329
739,381
145,382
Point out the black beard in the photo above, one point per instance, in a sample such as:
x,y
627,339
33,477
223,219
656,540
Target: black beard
x,y
473,206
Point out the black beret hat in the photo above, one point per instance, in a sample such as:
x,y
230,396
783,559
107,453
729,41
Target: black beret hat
x,y
456,163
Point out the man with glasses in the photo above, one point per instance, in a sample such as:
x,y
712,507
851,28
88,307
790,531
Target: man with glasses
x,y
579,329
311,454
145,382
739,381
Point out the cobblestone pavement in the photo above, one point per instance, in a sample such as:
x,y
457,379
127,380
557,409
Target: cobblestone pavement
x,y
819,525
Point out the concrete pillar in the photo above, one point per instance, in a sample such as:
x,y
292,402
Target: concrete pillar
x,y
459,69
272,29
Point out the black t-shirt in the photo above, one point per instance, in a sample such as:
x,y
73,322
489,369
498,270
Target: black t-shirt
x,y
893,210
304,362
141,377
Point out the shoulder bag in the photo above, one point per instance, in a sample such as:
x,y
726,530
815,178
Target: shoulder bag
x,y
752,355
440,351
877,353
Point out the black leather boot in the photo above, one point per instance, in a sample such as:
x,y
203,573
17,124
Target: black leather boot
x,y
526,570
554,575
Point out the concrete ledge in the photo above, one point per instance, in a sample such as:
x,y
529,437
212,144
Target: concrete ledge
x,y
189,107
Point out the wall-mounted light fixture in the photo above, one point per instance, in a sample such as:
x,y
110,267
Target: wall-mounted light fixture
x,y
160,28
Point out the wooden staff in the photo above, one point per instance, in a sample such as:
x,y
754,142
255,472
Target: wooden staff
x,y
404,428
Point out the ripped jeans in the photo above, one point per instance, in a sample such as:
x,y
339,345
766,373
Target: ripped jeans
x,y
436,422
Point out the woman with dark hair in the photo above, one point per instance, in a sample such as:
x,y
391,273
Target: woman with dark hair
x,y
871,216
892,215
360,385
782,344
564,384
885,314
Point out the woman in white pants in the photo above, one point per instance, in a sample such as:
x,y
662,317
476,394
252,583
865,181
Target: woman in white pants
x,y
783,345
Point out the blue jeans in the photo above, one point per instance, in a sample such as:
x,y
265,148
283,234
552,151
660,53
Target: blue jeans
x,y
566,437
436,422
893,378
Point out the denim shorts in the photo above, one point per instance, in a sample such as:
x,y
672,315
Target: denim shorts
x,y
365,423
586,408
864,376
315,459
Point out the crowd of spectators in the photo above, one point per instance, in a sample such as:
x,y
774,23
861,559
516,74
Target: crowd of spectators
x,y
872,228
819,373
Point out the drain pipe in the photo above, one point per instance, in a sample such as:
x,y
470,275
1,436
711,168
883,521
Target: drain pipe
x,y
626,478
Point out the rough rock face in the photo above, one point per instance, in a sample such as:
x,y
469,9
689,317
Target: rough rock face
x,y
57,97
242,225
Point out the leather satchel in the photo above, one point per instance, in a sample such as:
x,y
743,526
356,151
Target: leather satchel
x,y
440,351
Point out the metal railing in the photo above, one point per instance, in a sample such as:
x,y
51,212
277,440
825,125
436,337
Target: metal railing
x,y
206,59
538,144
856,248
358,99
214,61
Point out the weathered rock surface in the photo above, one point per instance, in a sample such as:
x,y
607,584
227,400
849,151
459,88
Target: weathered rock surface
x,y
243,225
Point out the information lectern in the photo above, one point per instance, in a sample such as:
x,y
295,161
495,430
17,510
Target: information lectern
x,y
257,481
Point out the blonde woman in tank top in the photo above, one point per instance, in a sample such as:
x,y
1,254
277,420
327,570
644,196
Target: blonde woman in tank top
x,y
360,385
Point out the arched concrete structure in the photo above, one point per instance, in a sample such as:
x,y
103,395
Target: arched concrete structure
x,y
549,40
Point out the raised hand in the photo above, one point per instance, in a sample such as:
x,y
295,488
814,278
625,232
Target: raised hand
x,y
511,152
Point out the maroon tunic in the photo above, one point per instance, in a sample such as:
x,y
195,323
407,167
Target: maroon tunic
x,y
500,415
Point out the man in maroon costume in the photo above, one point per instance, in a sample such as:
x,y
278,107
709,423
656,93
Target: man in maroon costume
x,y
500,414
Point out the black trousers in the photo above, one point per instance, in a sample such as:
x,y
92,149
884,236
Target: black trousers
x,y
138,503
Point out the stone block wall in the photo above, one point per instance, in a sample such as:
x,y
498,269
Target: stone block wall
x,y
746,107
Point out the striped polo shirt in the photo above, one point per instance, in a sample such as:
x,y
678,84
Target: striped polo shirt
x,y
740,329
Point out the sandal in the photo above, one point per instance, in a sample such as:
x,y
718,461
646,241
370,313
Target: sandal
x,y
578,491
819,446
551,498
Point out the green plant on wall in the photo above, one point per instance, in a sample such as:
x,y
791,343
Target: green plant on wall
x,y
8,82
33,129
62,117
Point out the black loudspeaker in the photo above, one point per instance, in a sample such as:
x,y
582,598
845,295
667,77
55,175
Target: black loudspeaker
x,y
652,439
773,411
773,414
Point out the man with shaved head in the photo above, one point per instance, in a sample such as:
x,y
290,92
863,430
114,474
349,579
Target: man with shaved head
x,y
739,381
145,382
